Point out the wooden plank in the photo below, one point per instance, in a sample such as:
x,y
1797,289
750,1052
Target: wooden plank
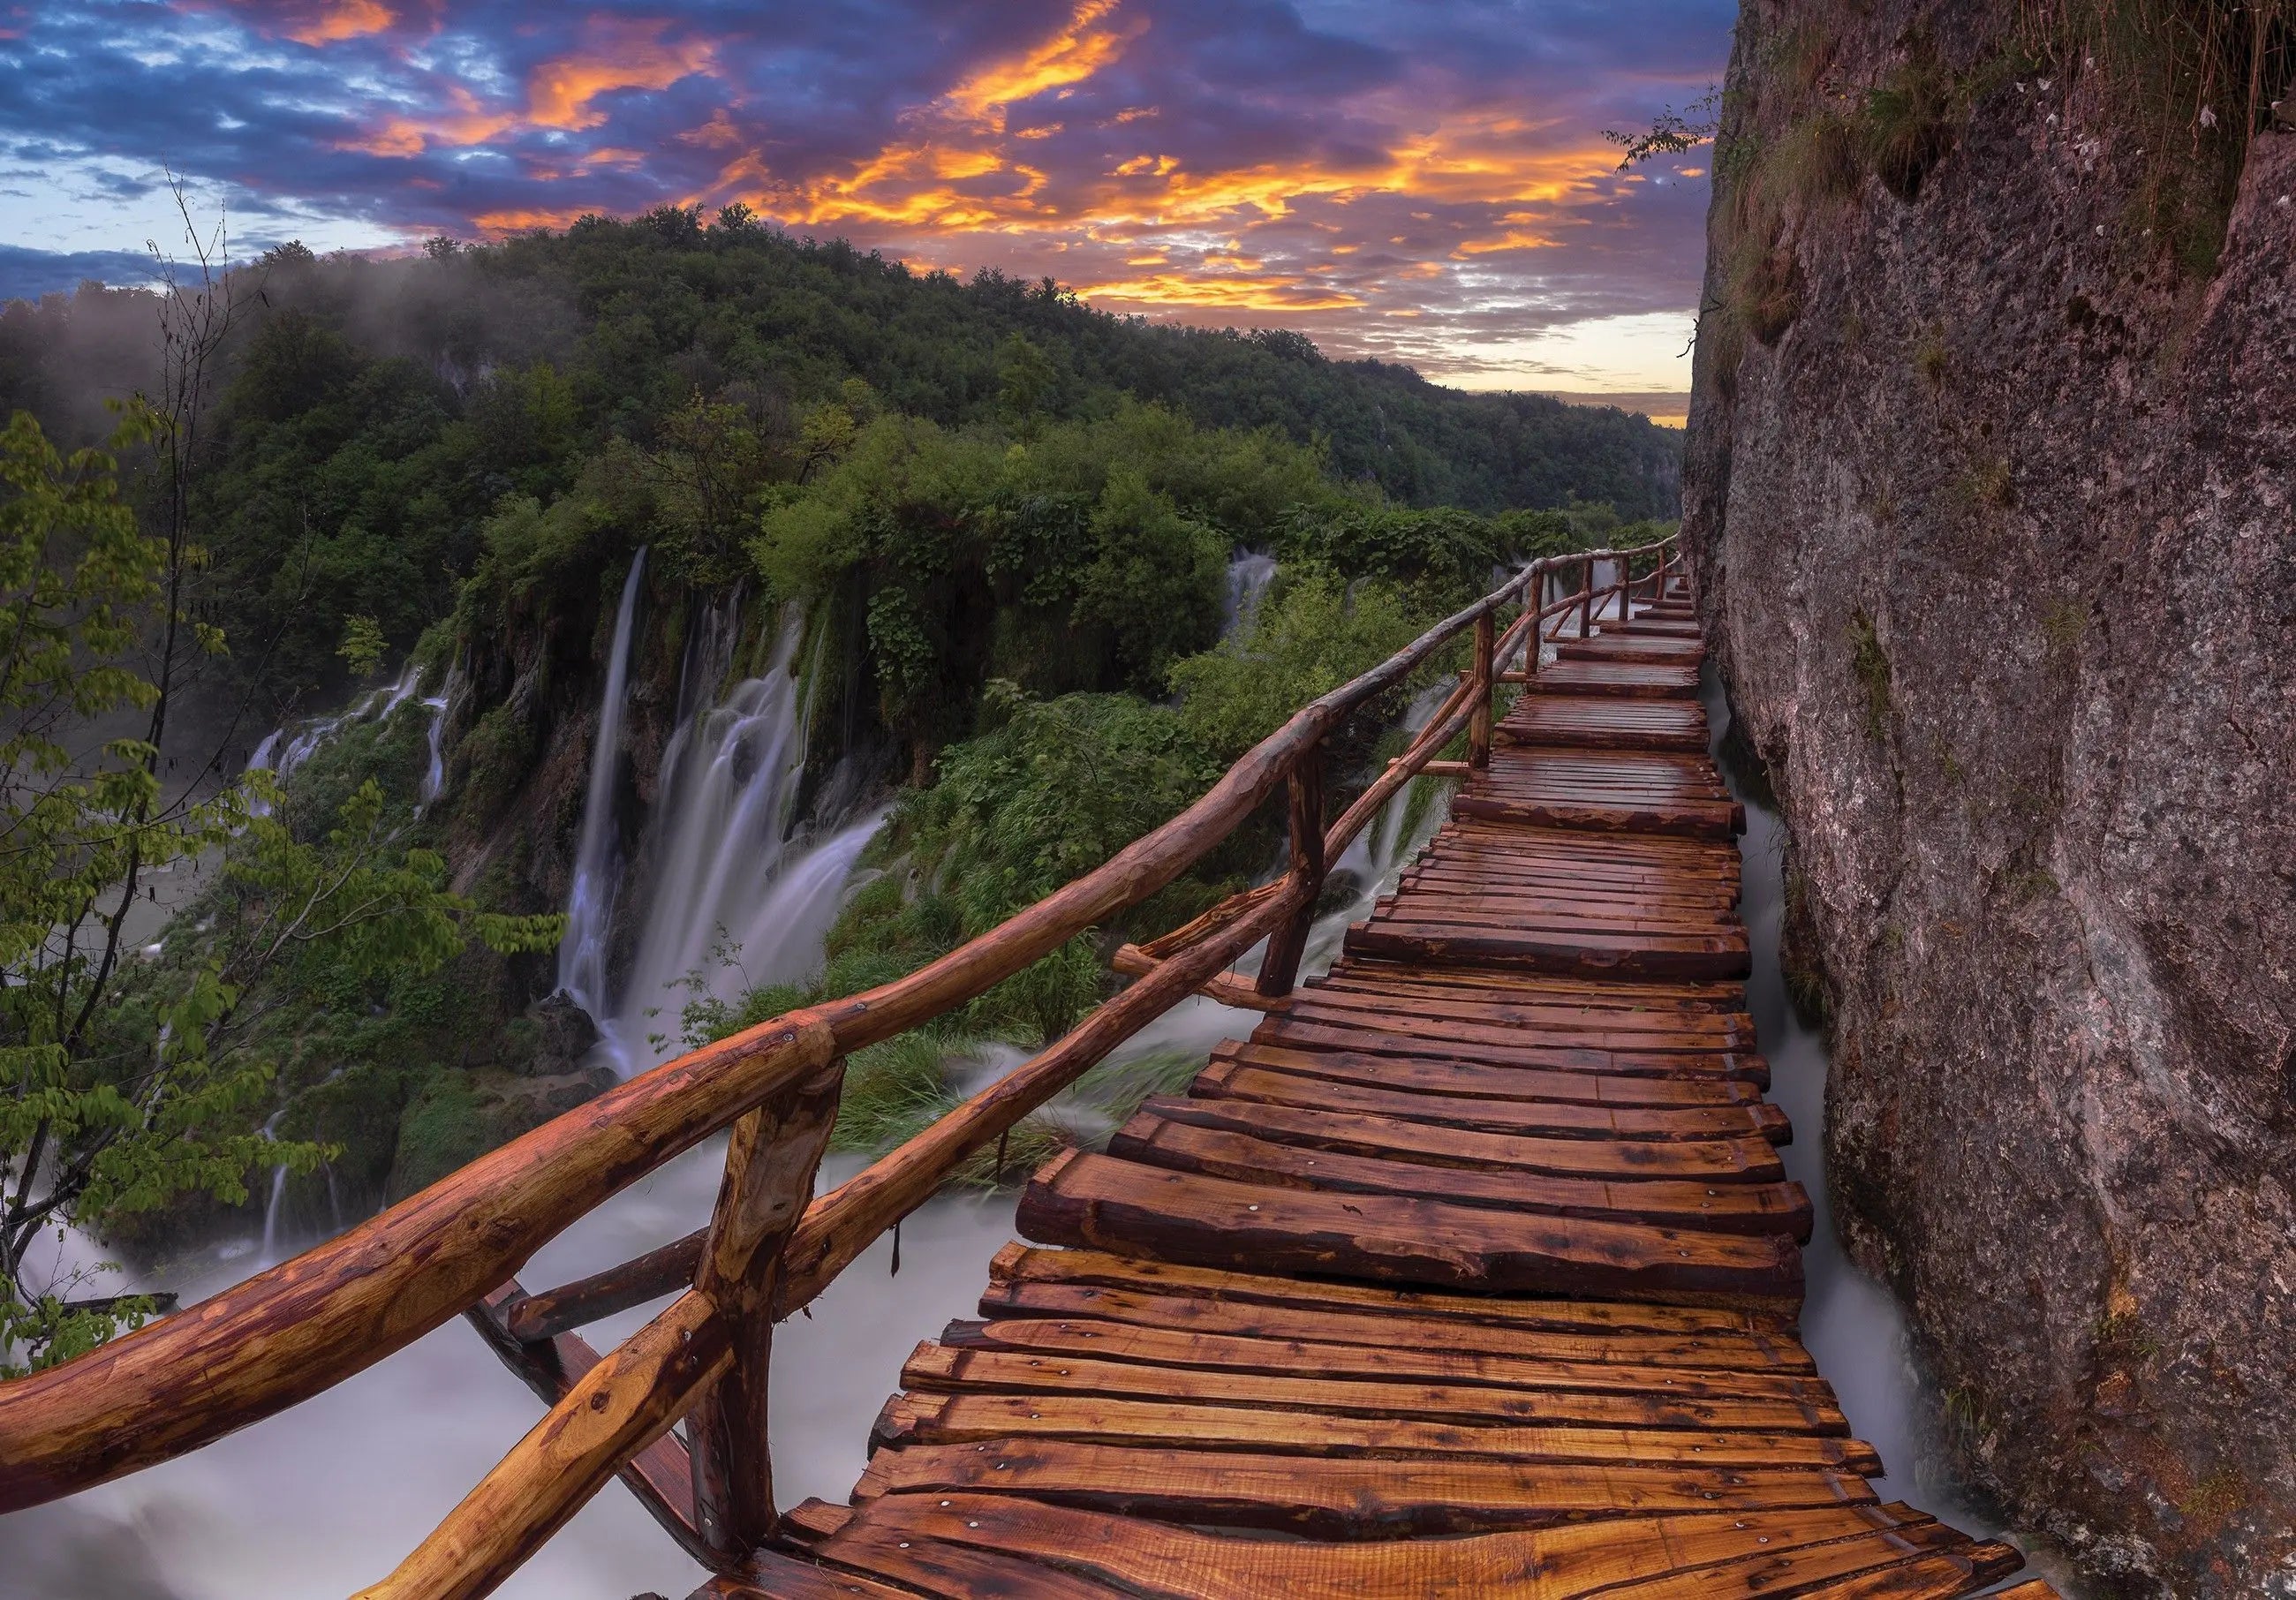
x,y
1340,1497
1144,1558
1182,1313
1817,1566
1693,999
1435,1073
938,1367
1715,1161
1091,1200
931,1418
1782,1209
1431,1010
1693,819
1101,1339
1506,1047
1555,1119
1942,1576
1025,1264
1642,956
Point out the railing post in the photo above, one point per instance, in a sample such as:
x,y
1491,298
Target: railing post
x,y
1479,715
1289,942
769,1175
1586,598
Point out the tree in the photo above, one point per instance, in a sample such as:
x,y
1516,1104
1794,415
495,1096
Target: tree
x,y
127,1081
1672,133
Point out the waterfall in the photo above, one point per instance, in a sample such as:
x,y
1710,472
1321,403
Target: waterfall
x,y
738,893
434,775
1248,577
281,752
278,1192
590,906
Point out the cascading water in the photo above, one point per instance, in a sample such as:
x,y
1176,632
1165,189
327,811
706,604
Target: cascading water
x,y
434,775
590,906
738,894
1248,577
280,752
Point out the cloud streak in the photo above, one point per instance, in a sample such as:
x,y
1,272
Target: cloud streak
x,y
1422,179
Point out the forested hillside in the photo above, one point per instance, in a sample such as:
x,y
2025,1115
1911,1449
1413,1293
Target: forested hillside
x,y
372,414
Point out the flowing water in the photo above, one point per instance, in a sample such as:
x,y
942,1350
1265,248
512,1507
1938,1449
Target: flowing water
x,y
280,752
740,894
326,1497
590,906
1248,574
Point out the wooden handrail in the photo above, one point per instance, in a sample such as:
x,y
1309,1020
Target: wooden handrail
x,y
296,1329
285,1334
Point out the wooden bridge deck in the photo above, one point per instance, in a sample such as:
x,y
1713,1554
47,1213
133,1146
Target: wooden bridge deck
x,y
1473,1272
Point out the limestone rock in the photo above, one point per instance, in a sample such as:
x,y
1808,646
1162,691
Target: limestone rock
x,y
1997,542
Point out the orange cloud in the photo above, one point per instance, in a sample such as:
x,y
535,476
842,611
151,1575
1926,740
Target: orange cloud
x,y
1266,293
1068,57
617,55
520,221
344,19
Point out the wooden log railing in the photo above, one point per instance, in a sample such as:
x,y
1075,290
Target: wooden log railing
x,y
770,1246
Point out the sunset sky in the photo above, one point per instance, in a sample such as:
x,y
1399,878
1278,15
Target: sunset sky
x,y
1421,180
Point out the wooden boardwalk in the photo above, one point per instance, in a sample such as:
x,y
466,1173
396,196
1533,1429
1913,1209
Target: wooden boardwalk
x,y
1473,1271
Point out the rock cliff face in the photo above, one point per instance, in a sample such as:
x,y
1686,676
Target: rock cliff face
x,y
1991,496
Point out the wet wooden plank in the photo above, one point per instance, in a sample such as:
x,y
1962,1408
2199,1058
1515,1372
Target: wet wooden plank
x,y
938,1367
1542,1117
1715,1161
1781,1208
1019,1263
1100,1339
1562,950
1745,1349
1626,679
1506,1047
1341,1497
931,1418
1091,1200
1144,1558
1432,1070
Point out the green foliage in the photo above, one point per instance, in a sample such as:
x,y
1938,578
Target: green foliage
x,y
1050,793
1314,633
1911,119
131,1081
1090,557
372,415
362,645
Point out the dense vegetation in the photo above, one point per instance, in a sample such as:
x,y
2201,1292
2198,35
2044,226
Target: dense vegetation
x,y
372,415
139,1079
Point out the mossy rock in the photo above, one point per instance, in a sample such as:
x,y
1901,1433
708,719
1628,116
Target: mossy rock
x,y
442,1128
